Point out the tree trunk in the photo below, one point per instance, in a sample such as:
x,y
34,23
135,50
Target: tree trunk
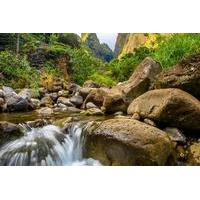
x,y
18,40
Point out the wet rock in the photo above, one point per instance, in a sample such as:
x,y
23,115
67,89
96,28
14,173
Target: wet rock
x,y
46,101
65,101
126,142
63,93
38,123
120,96
77,100
45,111
194,154
185,76
90,105
63,122
172,107
175,134
8,131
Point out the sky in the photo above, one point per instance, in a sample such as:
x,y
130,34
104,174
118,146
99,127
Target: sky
x,y
108,38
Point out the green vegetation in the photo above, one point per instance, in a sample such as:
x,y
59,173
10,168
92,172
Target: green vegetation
x,y
19,71
16,71
168,51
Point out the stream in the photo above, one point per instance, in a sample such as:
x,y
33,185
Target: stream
x,y
47,145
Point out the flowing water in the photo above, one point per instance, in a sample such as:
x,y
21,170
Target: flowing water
x,y
46,146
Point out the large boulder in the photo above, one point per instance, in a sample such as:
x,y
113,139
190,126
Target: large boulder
x,y
185,76
120,96
8,131
172,107
126,142
14,102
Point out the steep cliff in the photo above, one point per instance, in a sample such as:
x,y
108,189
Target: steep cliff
x,y
100,50
127,42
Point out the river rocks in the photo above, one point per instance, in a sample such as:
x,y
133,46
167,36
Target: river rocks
x,y
45,111
120,96
96,96
172,107
73,110
175,134
90,105
185,75
92,111
53,96
77,100
38,123
73,88
8,131
126,142
84,91
194,154
46,101
26,93
65,101
36,103
17,103
63,93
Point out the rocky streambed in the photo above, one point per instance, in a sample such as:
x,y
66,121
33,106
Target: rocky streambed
x,y
142,121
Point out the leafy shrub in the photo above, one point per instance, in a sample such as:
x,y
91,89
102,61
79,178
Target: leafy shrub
x,y
17,71
172,49
123,68
71,39
103,79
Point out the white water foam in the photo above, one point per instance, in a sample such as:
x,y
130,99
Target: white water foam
x,y
46,146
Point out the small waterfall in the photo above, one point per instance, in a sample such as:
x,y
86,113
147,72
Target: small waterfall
x,y
46,146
